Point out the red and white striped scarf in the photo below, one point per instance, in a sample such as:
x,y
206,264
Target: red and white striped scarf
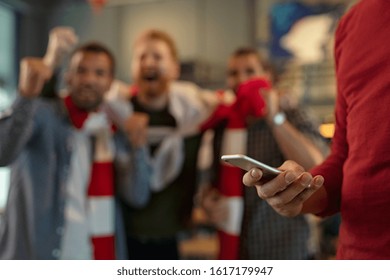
x,y
100,208
249,103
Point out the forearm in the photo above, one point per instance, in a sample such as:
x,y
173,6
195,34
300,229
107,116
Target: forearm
x,y
296,146
133,178
326,201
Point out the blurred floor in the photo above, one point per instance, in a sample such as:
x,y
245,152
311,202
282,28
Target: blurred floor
x,y
201,243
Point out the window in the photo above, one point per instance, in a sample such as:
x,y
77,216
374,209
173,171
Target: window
x,y
4,184
7,80
7,56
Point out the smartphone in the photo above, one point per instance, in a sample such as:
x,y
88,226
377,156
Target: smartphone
x,y
247,163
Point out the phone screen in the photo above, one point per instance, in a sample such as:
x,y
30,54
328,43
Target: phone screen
x,y
247,163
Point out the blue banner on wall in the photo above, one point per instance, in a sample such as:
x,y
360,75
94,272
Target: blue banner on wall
x,y
283,16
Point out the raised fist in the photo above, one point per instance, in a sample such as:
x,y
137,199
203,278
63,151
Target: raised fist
x,y
136,128
61,42
33,75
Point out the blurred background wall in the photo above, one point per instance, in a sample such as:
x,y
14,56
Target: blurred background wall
x,y
206,31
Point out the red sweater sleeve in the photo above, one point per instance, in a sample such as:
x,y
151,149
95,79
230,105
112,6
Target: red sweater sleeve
x,y
332,168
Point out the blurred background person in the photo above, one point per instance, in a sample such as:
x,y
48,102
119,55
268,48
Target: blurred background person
x,y
68,162
166,118
286,131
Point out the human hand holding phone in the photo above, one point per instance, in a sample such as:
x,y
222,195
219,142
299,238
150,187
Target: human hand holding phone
x,y
291,193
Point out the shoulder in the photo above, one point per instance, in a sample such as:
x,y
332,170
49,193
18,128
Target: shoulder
x,y
190,92
187,92
189,103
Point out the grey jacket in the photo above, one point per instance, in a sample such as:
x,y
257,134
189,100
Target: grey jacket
x,y
35,138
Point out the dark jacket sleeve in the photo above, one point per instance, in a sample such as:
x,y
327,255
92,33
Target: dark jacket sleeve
x,y
16,128
18,123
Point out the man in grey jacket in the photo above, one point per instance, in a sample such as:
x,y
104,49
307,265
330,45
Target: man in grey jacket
x,y
69,164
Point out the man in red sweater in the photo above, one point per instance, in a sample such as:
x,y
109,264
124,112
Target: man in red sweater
x,y
355,178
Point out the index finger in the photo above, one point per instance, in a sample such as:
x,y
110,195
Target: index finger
x,y
292,171
269,188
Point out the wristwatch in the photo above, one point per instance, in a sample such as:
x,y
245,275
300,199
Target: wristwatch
x,y
279,119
